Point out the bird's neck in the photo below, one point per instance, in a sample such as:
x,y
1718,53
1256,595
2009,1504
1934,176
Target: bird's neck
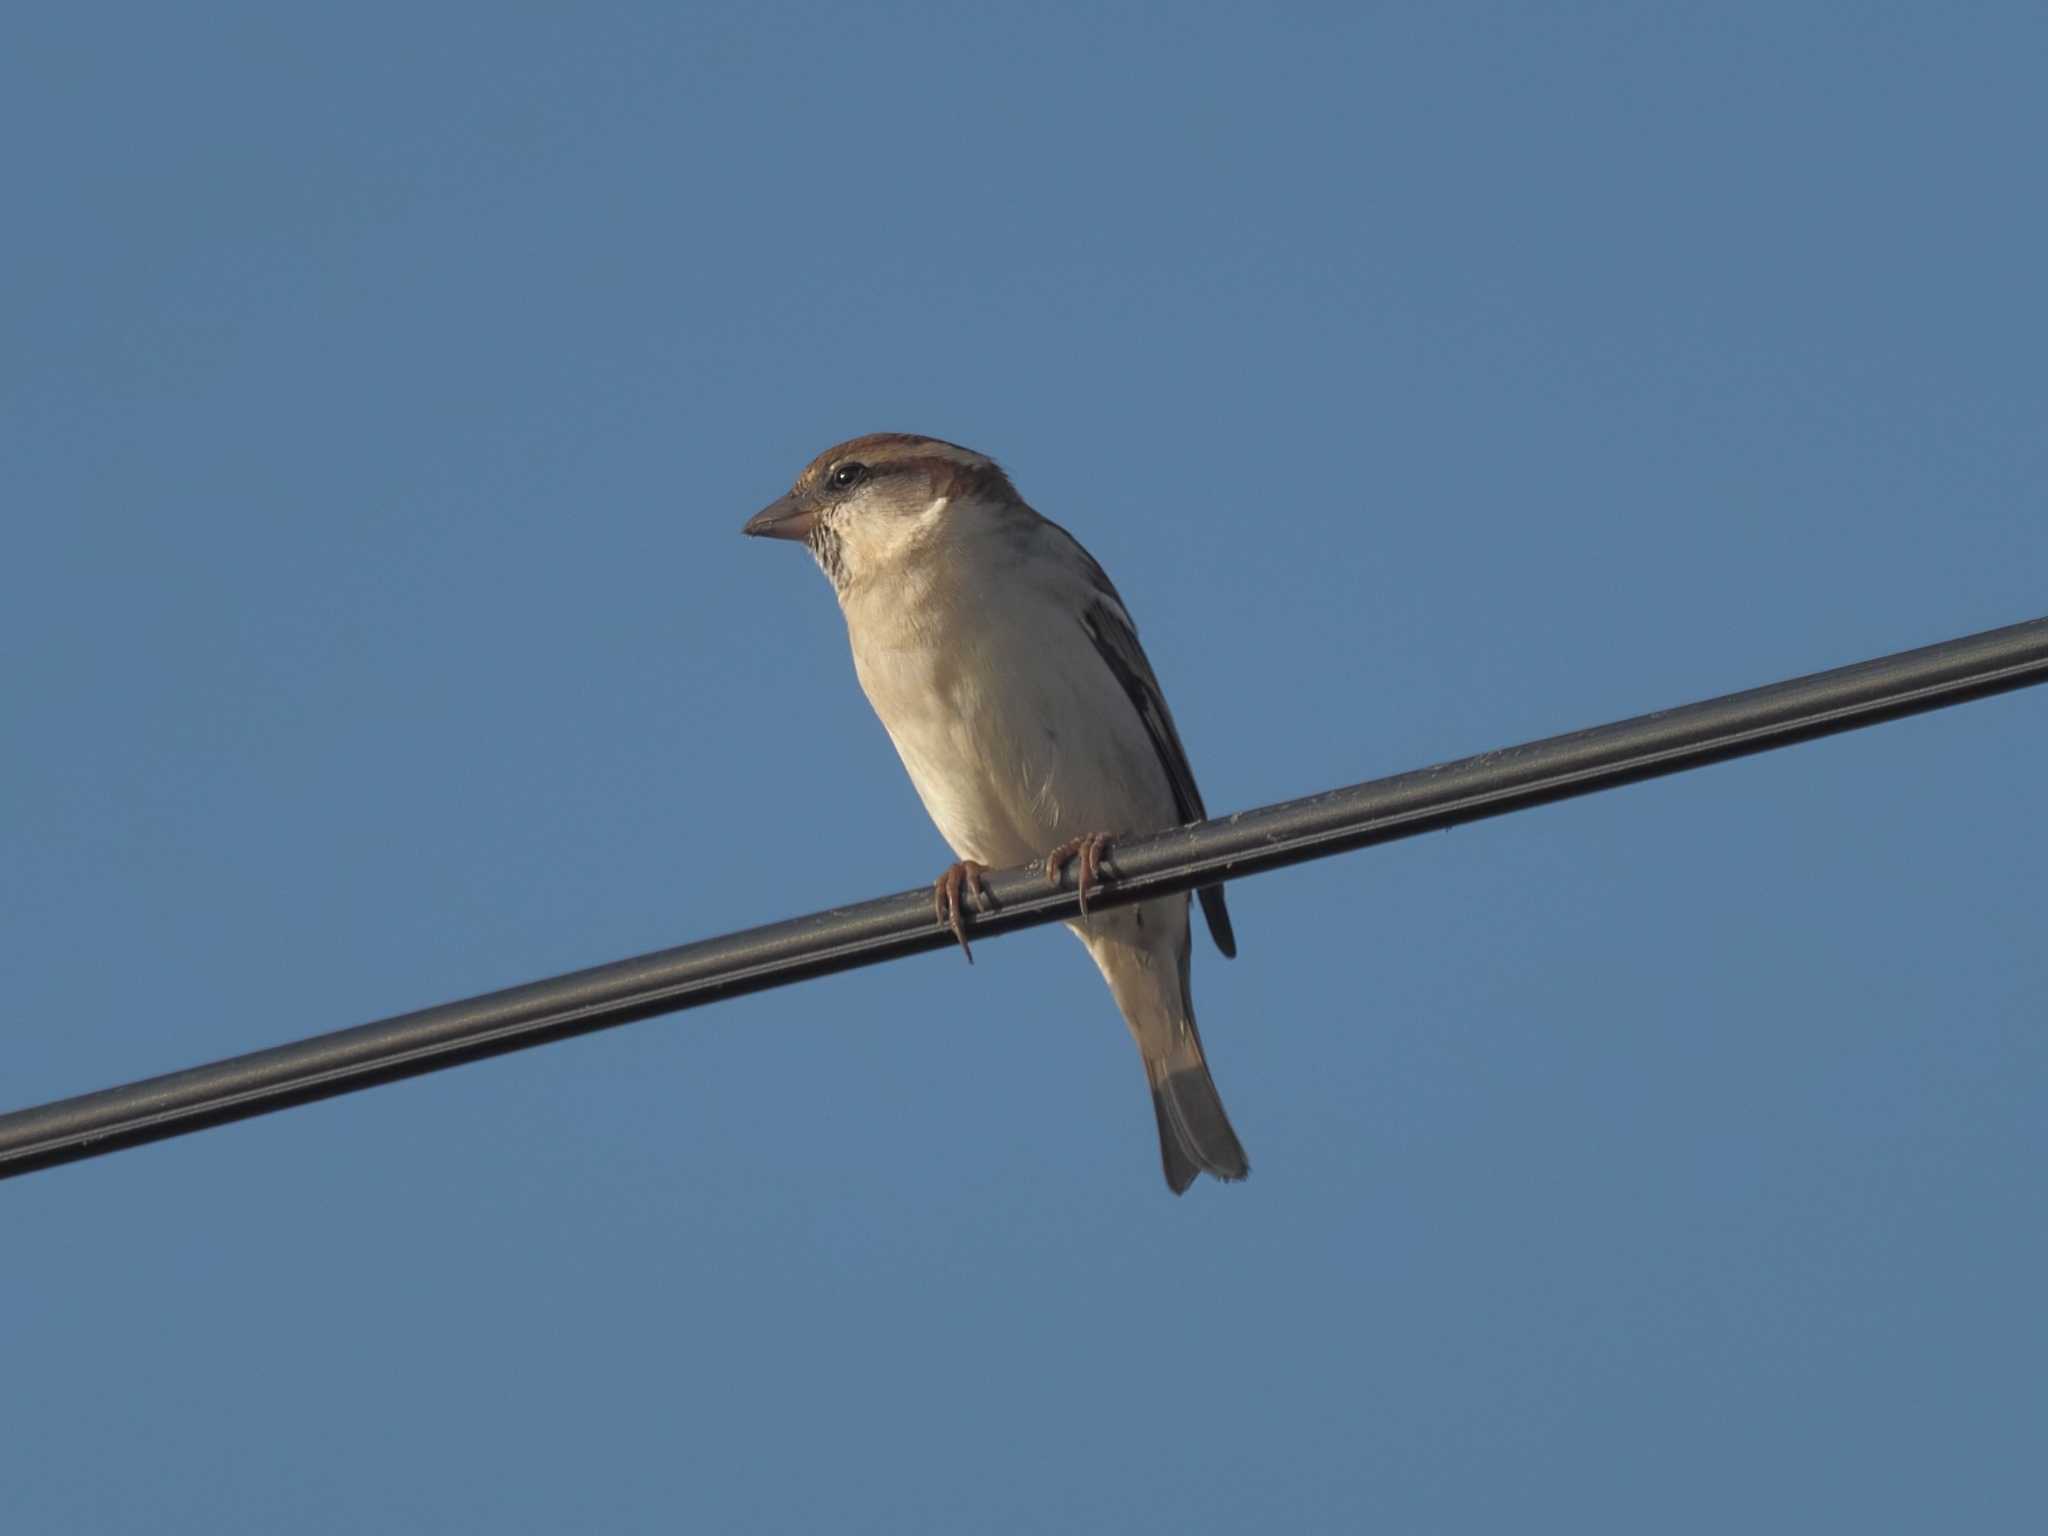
x,y
918,580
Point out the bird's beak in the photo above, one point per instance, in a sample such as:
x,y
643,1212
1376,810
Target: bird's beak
x,y
783,518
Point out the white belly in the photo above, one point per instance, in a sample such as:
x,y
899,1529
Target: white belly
x,y
1014,731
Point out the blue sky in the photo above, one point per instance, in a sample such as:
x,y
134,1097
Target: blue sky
x,y
383,390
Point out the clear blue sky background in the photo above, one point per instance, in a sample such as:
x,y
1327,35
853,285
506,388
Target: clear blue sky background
x,y
380,395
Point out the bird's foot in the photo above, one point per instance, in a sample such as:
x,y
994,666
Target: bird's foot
x,y
1089,851
946,906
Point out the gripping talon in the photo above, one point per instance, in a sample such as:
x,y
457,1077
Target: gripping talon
x,y
1089,851
946,899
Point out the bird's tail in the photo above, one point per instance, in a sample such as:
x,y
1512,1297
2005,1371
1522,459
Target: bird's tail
x,y
1194,1132
1143,954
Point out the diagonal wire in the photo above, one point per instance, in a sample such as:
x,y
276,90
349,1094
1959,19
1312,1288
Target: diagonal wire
x,y
776,954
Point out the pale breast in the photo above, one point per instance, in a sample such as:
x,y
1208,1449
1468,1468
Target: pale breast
x,y
1013,730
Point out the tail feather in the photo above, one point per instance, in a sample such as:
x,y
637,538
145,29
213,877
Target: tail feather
x,y
1195,1135
1181,1170
1143,954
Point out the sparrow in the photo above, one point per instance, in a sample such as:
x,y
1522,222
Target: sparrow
x,y
1008,674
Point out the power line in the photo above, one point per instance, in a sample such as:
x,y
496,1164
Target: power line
x,y
1429,799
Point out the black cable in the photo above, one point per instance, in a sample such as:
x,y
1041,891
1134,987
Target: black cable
x,y
1452,794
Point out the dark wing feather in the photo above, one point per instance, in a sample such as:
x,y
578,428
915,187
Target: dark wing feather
x,y
1109,625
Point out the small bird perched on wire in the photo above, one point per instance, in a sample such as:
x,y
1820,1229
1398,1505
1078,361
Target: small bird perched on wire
x,y
1008,673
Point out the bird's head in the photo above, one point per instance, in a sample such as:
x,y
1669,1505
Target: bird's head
x,y
871,503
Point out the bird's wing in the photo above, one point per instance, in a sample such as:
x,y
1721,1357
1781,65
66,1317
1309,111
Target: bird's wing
x,y
1109,626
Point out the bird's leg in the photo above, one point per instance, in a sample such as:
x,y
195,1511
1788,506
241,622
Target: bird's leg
x,y
1089,850
946,899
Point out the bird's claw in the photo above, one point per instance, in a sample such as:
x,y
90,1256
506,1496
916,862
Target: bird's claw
x,y
946,906
1089,850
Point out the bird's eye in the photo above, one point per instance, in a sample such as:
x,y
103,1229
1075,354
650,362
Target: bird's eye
x,y
848,474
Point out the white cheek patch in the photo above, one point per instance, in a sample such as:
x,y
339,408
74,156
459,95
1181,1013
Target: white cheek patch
x,y
877,539
891,537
